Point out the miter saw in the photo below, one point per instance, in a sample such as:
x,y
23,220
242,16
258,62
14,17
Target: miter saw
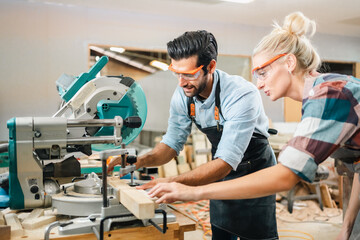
x,y
95,110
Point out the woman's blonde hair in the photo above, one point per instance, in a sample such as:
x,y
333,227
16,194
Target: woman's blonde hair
x,y
291,38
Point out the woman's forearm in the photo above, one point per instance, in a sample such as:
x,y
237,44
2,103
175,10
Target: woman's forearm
x,y
354,204
262,183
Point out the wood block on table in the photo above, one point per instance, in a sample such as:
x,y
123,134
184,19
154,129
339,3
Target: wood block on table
x,y
37,222
136,201
13,221
118,184
35,213
5,232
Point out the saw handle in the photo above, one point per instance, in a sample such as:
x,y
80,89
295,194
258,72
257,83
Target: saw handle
x,y
133,122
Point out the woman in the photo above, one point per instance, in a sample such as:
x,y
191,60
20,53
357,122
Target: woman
x,y
285,66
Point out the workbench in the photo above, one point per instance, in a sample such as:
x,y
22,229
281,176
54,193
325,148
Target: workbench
x,y
175,231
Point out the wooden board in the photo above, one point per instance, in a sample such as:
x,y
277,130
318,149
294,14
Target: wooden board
x,y
136,201
5,232
183,168
38,222
13,221
2,220
325,195
170,169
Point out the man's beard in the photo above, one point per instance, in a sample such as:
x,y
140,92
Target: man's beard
x,y
198,90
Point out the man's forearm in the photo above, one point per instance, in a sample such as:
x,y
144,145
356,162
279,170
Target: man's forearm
x,y
160,155
204,174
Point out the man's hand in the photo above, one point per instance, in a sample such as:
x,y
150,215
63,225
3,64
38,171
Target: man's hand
x,y
113,162
171,192
152,183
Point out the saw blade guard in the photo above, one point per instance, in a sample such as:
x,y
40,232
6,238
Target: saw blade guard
x,y
133,103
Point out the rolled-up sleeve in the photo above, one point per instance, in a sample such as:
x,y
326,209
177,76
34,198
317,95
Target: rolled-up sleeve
x,y
179,123
241,111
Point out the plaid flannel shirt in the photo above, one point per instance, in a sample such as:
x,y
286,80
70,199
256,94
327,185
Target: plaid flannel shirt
x,y
330,120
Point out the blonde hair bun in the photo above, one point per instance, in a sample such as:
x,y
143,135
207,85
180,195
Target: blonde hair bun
x,y
296,23
292,38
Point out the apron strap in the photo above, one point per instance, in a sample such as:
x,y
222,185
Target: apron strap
x,y
217,111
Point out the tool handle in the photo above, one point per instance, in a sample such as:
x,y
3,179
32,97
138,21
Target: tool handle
x,y
133,122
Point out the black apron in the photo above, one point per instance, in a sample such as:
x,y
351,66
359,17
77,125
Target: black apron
x,y
248,218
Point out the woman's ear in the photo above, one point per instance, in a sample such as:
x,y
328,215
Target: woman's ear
x,y
212,66
291,62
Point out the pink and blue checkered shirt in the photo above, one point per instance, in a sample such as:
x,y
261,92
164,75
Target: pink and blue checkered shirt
x,y
330,120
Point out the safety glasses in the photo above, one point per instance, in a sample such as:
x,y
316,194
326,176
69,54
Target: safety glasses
x,y
188,75
262,72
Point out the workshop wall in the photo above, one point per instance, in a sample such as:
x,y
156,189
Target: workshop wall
x,y
40,41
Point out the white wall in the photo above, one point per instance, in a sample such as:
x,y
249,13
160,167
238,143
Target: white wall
x,y
40,42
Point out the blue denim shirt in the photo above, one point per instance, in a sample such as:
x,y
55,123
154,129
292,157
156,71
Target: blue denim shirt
x,y
242,114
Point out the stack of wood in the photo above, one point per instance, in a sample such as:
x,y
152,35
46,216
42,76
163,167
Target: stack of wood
x,y
13,223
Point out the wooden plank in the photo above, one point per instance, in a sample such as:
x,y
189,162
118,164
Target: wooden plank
x,y
193,165
189,153
182,157
183,168
170,169
8,210
13,221
5,232
161,173
341,191
117,184
138,203
325,195
357,70
33,223
2,220
35,213
200,159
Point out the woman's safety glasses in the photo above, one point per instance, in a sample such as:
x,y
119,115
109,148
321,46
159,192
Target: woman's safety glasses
x,y
188,75
262,72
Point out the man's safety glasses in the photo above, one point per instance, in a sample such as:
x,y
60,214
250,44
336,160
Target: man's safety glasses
x,y
188,75
262,72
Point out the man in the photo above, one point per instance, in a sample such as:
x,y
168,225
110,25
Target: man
x,y
228,109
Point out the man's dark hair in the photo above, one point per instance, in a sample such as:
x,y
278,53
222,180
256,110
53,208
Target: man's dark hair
x,y
200,43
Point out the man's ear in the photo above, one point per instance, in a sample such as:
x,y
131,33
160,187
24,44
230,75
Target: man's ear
x,y
291,62
212,66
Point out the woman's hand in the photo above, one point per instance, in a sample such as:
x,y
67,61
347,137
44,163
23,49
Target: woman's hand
x,y
344,234
171,192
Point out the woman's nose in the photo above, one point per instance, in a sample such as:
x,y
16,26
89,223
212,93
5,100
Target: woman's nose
x,y
260,85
